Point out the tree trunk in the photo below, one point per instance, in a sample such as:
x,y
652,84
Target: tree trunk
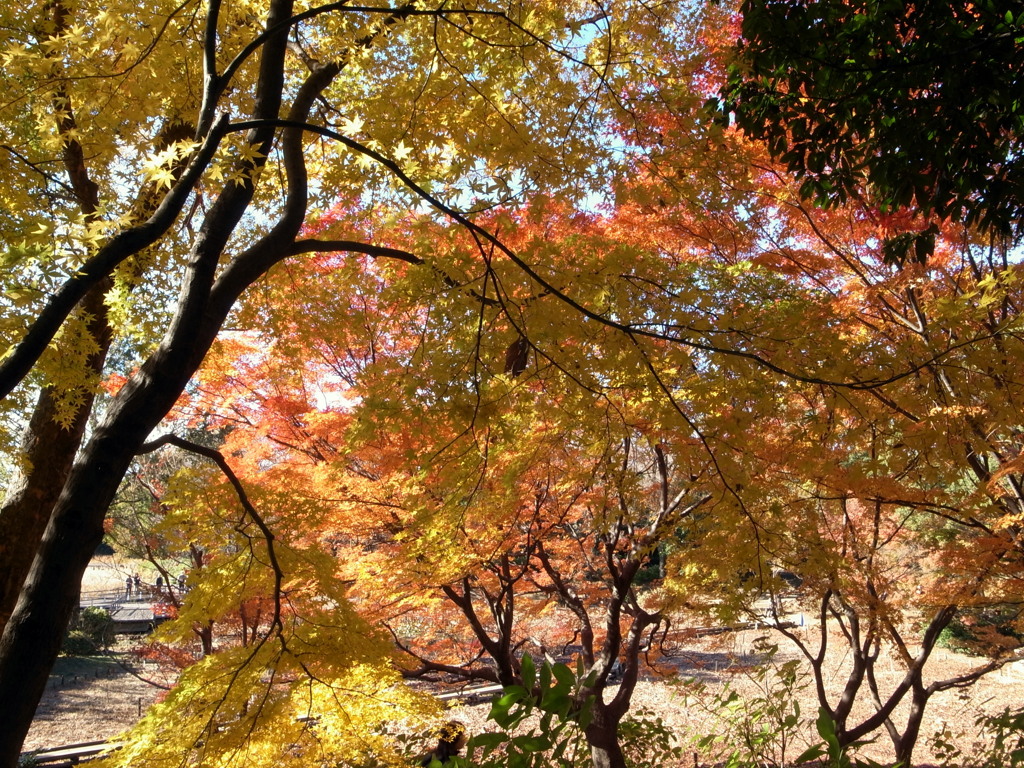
x,y
49,450
31,640
209,289
205,634
906,743
603,739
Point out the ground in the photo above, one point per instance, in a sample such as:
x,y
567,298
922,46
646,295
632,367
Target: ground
x,y
92,699
89,699
726,659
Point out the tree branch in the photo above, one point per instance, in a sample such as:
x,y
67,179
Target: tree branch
x,y
122,246
218,458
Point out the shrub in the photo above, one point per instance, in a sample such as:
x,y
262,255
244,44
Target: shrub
x,y
78,643
91,633
761,727
983,630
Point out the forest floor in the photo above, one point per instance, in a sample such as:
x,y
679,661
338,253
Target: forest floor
x,y
98,697
687,688
89,699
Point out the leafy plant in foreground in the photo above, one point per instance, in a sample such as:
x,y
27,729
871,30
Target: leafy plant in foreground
x,y
552,693
756,728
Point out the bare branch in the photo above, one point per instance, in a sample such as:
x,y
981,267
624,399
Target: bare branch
x,y
218,458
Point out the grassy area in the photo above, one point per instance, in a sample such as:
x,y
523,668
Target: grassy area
x,y
110,571
86,666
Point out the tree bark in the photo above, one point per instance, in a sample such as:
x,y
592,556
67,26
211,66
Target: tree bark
x,y
210,287
603,739
49,449
906,743
31,639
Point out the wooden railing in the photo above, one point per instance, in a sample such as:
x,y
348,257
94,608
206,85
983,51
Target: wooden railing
x,y
69,754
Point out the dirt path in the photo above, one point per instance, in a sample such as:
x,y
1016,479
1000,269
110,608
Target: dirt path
x,y
88,699
96,698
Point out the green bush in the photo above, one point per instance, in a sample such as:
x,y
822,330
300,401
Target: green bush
x,y
78,643
762,727
647,741
982,629
1007,745
1000,743
92,632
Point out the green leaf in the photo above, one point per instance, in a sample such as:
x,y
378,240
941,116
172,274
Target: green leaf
x,y
564,677
527,671
812,753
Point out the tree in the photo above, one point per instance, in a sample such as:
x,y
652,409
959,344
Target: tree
x,y
869,388
462,497
905,106
897,505
557,568
884,436
307,680
276,111
691,291
462,540
141,525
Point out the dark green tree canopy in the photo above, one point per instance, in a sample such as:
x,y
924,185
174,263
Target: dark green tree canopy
x,y
906,104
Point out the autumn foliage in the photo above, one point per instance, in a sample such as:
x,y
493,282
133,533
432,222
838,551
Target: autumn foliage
x,y
477,335
483,512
